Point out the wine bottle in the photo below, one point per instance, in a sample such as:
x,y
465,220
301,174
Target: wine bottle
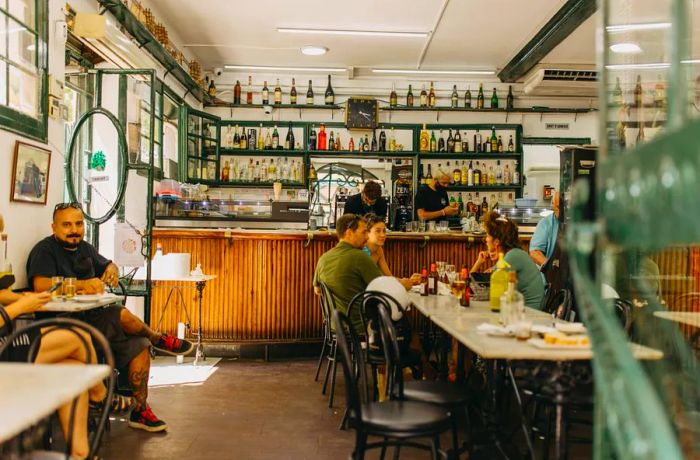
x,y
393,99
249,93
480,97
289,140
433,142
265,94
450,142
441,143
638,92
374,145
455,97
409,97
468,98
278,93
509,99
237,93
458,142
275,138
212,89
423,97
494,99
330,95
310,95
431,96
511,145
494,140
331,141
236,139
617,94
293,93
500,144
312,138
382,141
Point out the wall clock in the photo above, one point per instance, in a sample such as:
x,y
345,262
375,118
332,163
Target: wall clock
x,y
361,113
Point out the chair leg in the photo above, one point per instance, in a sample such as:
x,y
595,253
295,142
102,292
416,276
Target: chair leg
x,y
360,443
329,358
320,359
383,452
335,368
344,423
435,448
397,451
455,436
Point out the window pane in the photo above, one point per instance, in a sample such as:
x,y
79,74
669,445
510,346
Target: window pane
x,y
24,91
22,45
24,11
3,83
3,35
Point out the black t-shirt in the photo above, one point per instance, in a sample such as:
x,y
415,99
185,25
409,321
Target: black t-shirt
x,y
431,200
355,205
48,258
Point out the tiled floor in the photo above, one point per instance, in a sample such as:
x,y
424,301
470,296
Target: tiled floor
x,y
246,410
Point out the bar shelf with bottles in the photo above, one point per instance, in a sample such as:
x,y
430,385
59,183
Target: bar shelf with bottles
x,y
249,96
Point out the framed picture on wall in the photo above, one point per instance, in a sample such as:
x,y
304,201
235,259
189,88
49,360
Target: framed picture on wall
x,y
30,173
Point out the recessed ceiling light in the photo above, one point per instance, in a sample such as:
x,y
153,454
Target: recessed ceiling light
x,y
311,50
373,33
625,48
435,72
644,26
274,68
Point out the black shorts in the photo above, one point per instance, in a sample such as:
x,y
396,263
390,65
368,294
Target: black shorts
x,y
106,320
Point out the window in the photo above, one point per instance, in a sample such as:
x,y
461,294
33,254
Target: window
x,y
23,67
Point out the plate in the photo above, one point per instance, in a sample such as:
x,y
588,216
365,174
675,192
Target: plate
x,y
87,298
540,343
571,328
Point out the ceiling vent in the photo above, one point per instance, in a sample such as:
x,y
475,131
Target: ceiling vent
x,y
561,82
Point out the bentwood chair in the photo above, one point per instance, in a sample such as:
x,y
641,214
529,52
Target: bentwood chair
x,y
329,349
399,423
445,395
43,327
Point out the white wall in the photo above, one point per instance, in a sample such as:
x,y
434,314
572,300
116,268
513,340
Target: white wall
x,y
26,223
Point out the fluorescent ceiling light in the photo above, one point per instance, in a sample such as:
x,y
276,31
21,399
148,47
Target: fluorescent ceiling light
x,y
645,26
653,65
370,33
274,68
436,72
691,61
311,50
625,48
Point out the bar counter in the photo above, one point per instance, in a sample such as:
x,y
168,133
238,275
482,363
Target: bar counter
x,y
263,290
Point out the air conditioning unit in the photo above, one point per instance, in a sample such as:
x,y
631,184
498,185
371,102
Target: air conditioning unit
x,y
550,81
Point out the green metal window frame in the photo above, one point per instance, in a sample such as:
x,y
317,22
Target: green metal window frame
x,y
13,120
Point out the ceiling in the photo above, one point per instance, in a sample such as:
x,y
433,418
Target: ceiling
x,y
466,34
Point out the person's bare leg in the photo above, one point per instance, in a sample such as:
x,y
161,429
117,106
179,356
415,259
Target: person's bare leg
x,y
80,447
132,325
139,369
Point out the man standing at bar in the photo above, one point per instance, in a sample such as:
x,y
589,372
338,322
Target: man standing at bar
x,y
432,202
544,240
369,201
66,254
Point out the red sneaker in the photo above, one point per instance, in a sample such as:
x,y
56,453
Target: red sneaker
x,y
173,346
145,419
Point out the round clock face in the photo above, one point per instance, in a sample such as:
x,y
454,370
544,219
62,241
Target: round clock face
x,y
361,113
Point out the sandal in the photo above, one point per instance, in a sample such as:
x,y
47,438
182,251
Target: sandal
x,y
120,403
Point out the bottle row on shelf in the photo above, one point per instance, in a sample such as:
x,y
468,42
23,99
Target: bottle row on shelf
x,y
476,204
260,170
328,96
473,174
459,144
258,139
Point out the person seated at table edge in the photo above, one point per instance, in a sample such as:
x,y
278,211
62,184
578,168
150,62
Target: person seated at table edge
x,y
370,200
65,253
432,202
55,347
347,270
502,237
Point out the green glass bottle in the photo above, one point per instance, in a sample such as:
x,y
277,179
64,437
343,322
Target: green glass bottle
x,y
494,99
468,98
480,97
433,142
494,140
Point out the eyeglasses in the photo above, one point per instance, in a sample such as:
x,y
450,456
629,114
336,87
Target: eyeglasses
x,y
72,204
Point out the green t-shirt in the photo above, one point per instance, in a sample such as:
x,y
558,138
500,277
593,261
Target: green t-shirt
x,y
530,282
346,271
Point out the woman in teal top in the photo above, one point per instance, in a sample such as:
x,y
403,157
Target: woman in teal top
x,y
502,237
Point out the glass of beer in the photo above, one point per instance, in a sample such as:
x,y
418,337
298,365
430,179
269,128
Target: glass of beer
x,y
58,293
458,287
69,287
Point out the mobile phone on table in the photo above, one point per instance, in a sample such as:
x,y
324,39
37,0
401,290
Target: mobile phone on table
x,y
54,287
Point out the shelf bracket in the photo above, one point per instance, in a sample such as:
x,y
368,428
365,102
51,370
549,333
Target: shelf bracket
x,y
169,69
300,113
507,113
541,115
426,239
189,90
575,116
309,238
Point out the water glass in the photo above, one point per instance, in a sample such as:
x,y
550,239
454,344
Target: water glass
x,y
431,226
444,226
69,287
58,293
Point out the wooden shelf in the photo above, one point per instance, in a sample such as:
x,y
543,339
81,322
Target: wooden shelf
x,y
489,110
479,188
231,105
249,152
468,156
355,154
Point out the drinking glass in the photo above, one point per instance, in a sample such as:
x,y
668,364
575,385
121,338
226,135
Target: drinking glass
x,y
421,226
440,269
458,287
444,226
58,293
69,287
431,226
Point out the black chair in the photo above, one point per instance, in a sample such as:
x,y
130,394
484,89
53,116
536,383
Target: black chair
x,y
73,325
558,303
329,350
445,395
397,422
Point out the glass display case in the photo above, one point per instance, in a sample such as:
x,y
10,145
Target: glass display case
x,y
525,218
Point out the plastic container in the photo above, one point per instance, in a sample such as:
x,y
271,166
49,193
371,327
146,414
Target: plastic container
x,y
169,187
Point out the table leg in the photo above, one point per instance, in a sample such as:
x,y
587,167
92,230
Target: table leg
x,y
199,353
560,443
494,377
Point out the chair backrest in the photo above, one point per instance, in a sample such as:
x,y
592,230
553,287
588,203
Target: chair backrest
x,y
623,311
354,368
46,326
390,346
558,302
7,326
327,307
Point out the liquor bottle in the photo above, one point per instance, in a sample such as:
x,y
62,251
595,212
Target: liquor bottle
x,y
212,89
455,97
374,145
225,172
453,202
458,142
421,174
441,143
500,144
330,95
484,174
516,174
265,94
365,145
457,174
392,141
275,138
331,141
476,175
470,175
509,99
460,204
511,145
480,97
322,143
431,96
617,98
506,175
487,146
423,97
312,173
499,173
337,147
278,93
268,140
464,299
638,92
425,290
393,99
433,142
351,145
236,140
494,140
289,140
433,280
310,95
465,174
424,139
659,93
492,176
249,93
243,141
484,206
450,142
409,96
382,141
312,138
494,99
237,93
477,141
260,139
468,98
293,93
429,177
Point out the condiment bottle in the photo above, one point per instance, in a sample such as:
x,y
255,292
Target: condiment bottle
x,y
499,283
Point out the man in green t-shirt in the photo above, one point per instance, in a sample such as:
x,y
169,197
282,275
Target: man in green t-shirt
x,y
346,269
